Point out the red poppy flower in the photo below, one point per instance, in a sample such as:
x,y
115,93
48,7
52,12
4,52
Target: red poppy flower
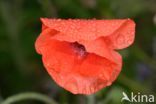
x,y
80,54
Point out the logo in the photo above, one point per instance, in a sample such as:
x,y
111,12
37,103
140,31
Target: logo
x,y
137,97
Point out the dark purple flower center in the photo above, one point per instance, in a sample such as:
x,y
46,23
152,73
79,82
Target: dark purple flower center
x,y
79,49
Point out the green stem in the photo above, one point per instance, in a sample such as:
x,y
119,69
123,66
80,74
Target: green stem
x,y
28,95
91,99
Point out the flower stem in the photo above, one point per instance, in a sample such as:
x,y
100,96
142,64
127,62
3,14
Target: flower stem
x,y
28,95
91,99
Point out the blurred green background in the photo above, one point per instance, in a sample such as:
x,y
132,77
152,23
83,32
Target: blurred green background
x,y
21,68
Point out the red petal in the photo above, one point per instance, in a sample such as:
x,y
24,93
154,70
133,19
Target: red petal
x,y
100,48
100,67
77,30
123,36
78,75
118,34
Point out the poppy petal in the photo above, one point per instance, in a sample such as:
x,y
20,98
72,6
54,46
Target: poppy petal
x,y
79,54
77,30
123,36
99,47
83,75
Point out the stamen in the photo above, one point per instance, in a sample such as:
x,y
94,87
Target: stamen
x,y
79,49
